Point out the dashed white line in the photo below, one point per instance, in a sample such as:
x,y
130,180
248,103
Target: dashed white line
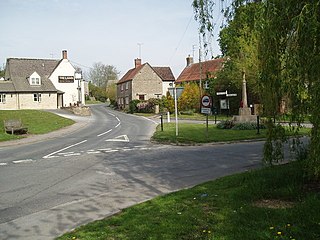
x,y
118,119
117,125
23,161
3,164
73,145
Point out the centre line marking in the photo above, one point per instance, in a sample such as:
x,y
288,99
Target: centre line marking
x,y
118,119
101,134
3,164
23,161
118,125
73,145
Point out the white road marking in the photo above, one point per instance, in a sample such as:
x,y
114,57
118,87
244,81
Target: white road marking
x,y
109,151
112,114
150,120
93,152
105,173
3,164
104,149
118,119
101,134
23,161
117,125
122,138
72,154
73,145
65,153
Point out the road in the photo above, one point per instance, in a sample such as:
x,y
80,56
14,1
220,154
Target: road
x,y
51,186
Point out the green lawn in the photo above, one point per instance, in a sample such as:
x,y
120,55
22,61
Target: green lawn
x,y
196,133
271,203
38,122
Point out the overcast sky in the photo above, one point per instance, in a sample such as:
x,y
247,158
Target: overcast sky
x,y
106,31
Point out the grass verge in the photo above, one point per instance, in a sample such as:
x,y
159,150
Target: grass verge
x,y
271,203
38,122
196,133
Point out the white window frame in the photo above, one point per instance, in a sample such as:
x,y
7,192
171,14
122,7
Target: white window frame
x,y
35,79
3,98
37,97
127,85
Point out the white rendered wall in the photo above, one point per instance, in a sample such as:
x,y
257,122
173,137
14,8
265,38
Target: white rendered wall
x,y
70,90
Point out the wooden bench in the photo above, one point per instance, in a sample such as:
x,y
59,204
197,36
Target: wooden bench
x,y
14,126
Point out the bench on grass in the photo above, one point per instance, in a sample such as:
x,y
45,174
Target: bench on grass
x,y
14,126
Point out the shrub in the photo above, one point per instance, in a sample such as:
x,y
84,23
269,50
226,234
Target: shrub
x,y
228,124
133,106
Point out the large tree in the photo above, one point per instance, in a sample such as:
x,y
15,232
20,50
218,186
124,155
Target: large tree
x,y
288,38
100,74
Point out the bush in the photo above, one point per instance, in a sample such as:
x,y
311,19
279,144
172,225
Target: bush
x,y
228,124
247,126
133,106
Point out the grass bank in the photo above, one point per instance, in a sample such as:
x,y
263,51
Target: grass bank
x,y
271,203
38,122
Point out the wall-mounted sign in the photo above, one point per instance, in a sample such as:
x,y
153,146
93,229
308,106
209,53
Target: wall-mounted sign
x,y
66,79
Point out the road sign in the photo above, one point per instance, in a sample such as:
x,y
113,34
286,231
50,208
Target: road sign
x,y
206,101
205,110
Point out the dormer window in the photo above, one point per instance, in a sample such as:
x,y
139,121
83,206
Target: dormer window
x,y
35,79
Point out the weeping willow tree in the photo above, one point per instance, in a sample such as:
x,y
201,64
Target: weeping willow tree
x,y
288,38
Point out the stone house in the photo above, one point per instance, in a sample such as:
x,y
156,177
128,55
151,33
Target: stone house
x,y
40,84
143,82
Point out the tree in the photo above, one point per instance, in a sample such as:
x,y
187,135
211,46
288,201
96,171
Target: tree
x,y
288,40
190,98
100,74
111,91
2,72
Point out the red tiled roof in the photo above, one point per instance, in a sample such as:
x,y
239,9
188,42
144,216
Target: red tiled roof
x,y
130,74
165,73
192,72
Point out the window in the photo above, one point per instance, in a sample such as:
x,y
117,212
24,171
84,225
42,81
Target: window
x,y
127,85
122,87
127,101
37,97
141,97
35,81
2,98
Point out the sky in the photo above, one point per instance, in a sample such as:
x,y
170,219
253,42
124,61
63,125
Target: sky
x,y
113,32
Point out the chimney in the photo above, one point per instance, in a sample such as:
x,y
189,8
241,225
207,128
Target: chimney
x,y
189,60
137,62
64,54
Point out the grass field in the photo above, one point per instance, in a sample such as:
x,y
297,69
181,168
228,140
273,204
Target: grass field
x,y
272,203
38,122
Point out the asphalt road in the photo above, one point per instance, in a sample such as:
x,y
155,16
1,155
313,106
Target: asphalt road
x,y
52,185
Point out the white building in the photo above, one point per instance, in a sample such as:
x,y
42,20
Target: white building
x,y
40,84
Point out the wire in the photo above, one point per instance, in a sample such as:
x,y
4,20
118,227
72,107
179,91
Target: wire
x,y
179,43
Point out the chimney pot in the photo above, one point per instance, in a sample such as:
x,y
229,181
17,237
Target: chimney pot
x,y
64,54
137,62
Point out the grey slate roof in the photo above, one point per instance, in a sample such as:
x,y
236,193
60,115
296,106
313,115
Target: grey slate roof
x,y
19,69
